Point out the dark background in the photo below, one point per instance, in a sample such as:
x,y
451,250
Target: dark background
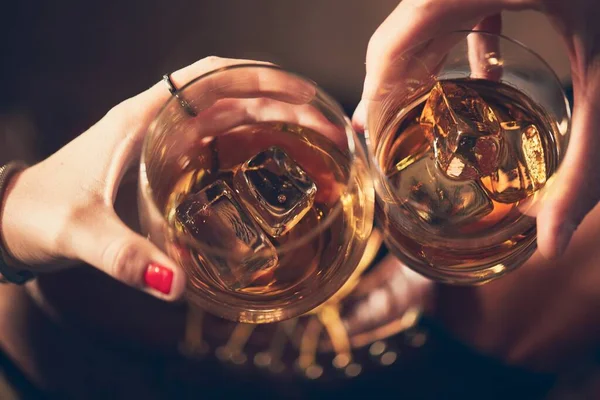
x,y
65,63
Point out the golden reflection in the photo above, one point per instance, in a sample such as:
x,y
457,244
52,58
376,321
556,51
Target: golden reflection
x,y
304,336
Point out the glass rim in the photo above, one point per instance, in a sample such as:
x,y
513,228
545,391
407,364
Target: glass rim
x,y
370,139
319,95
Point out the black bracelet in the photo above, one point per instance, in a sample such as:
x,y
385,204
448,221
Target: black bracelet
x,y
8,273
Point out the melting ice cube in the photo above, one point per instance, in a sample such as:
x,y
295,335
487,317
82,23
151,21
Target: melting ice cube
x,y
275,189
463,130
436,199
214,217
522,166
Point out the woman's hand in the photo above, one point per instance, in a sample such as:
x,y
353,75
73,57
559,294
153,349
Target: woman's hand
x,y
62,208
576,187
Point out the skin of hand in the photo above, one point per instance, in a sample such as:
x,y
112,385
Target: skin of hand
x,y
575,188
61,210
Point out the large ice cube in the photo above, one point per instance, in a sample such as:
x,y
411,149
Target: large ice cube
x,y
522,166
463,130
436,199
214,217
275,189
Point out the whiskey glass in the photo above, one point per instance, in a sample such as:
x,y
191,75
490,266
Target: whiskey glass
x,y
462,144
259,188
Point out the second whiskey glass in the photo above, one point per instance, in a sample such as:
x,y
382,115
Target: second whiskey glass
x,y
462,144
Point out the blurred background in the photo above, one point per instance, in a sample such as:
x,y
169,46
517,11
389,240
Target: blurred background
x,y
65,64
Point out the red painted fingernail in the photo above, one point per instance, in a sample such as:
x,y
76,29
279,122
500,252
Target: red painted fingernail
x,y
159,278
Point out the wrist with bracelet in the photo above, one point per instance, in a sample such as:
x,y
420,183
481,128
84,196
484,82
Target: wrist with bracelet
x,y
10,270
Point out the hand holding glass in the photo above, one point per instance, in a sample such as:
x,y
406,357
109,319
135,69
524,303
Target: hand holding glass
x,y
263,195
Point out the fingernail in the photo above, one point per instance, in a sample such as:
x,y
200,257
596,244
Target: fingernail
x,y
564,237
159,278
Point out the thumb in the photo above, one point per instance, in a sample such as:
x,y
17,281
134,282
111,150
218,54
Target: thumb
x,y
105,242
575,190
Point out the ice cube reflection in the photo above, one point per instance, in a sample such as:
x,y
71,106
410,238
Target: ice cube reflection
x,y
438,201
214,217
275,189
522,167
463,131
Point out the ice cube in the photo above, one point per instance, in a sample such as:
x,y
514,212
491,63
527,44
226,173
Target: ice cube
x,y
214,218
275,189
433,197
463,130
522,166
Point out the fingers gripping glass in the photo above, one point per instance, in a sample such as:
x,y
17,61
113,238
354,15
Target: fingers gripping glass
x,y
464,137
262,194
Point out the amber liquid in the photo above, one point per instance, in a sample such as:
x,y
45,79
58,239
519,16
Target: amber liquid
x,y
328,219
443,212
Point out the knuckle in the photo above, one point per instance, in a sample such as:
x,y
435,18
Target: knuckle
x,y
260,104
122,259
427,6
212,60
212,63
373,45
